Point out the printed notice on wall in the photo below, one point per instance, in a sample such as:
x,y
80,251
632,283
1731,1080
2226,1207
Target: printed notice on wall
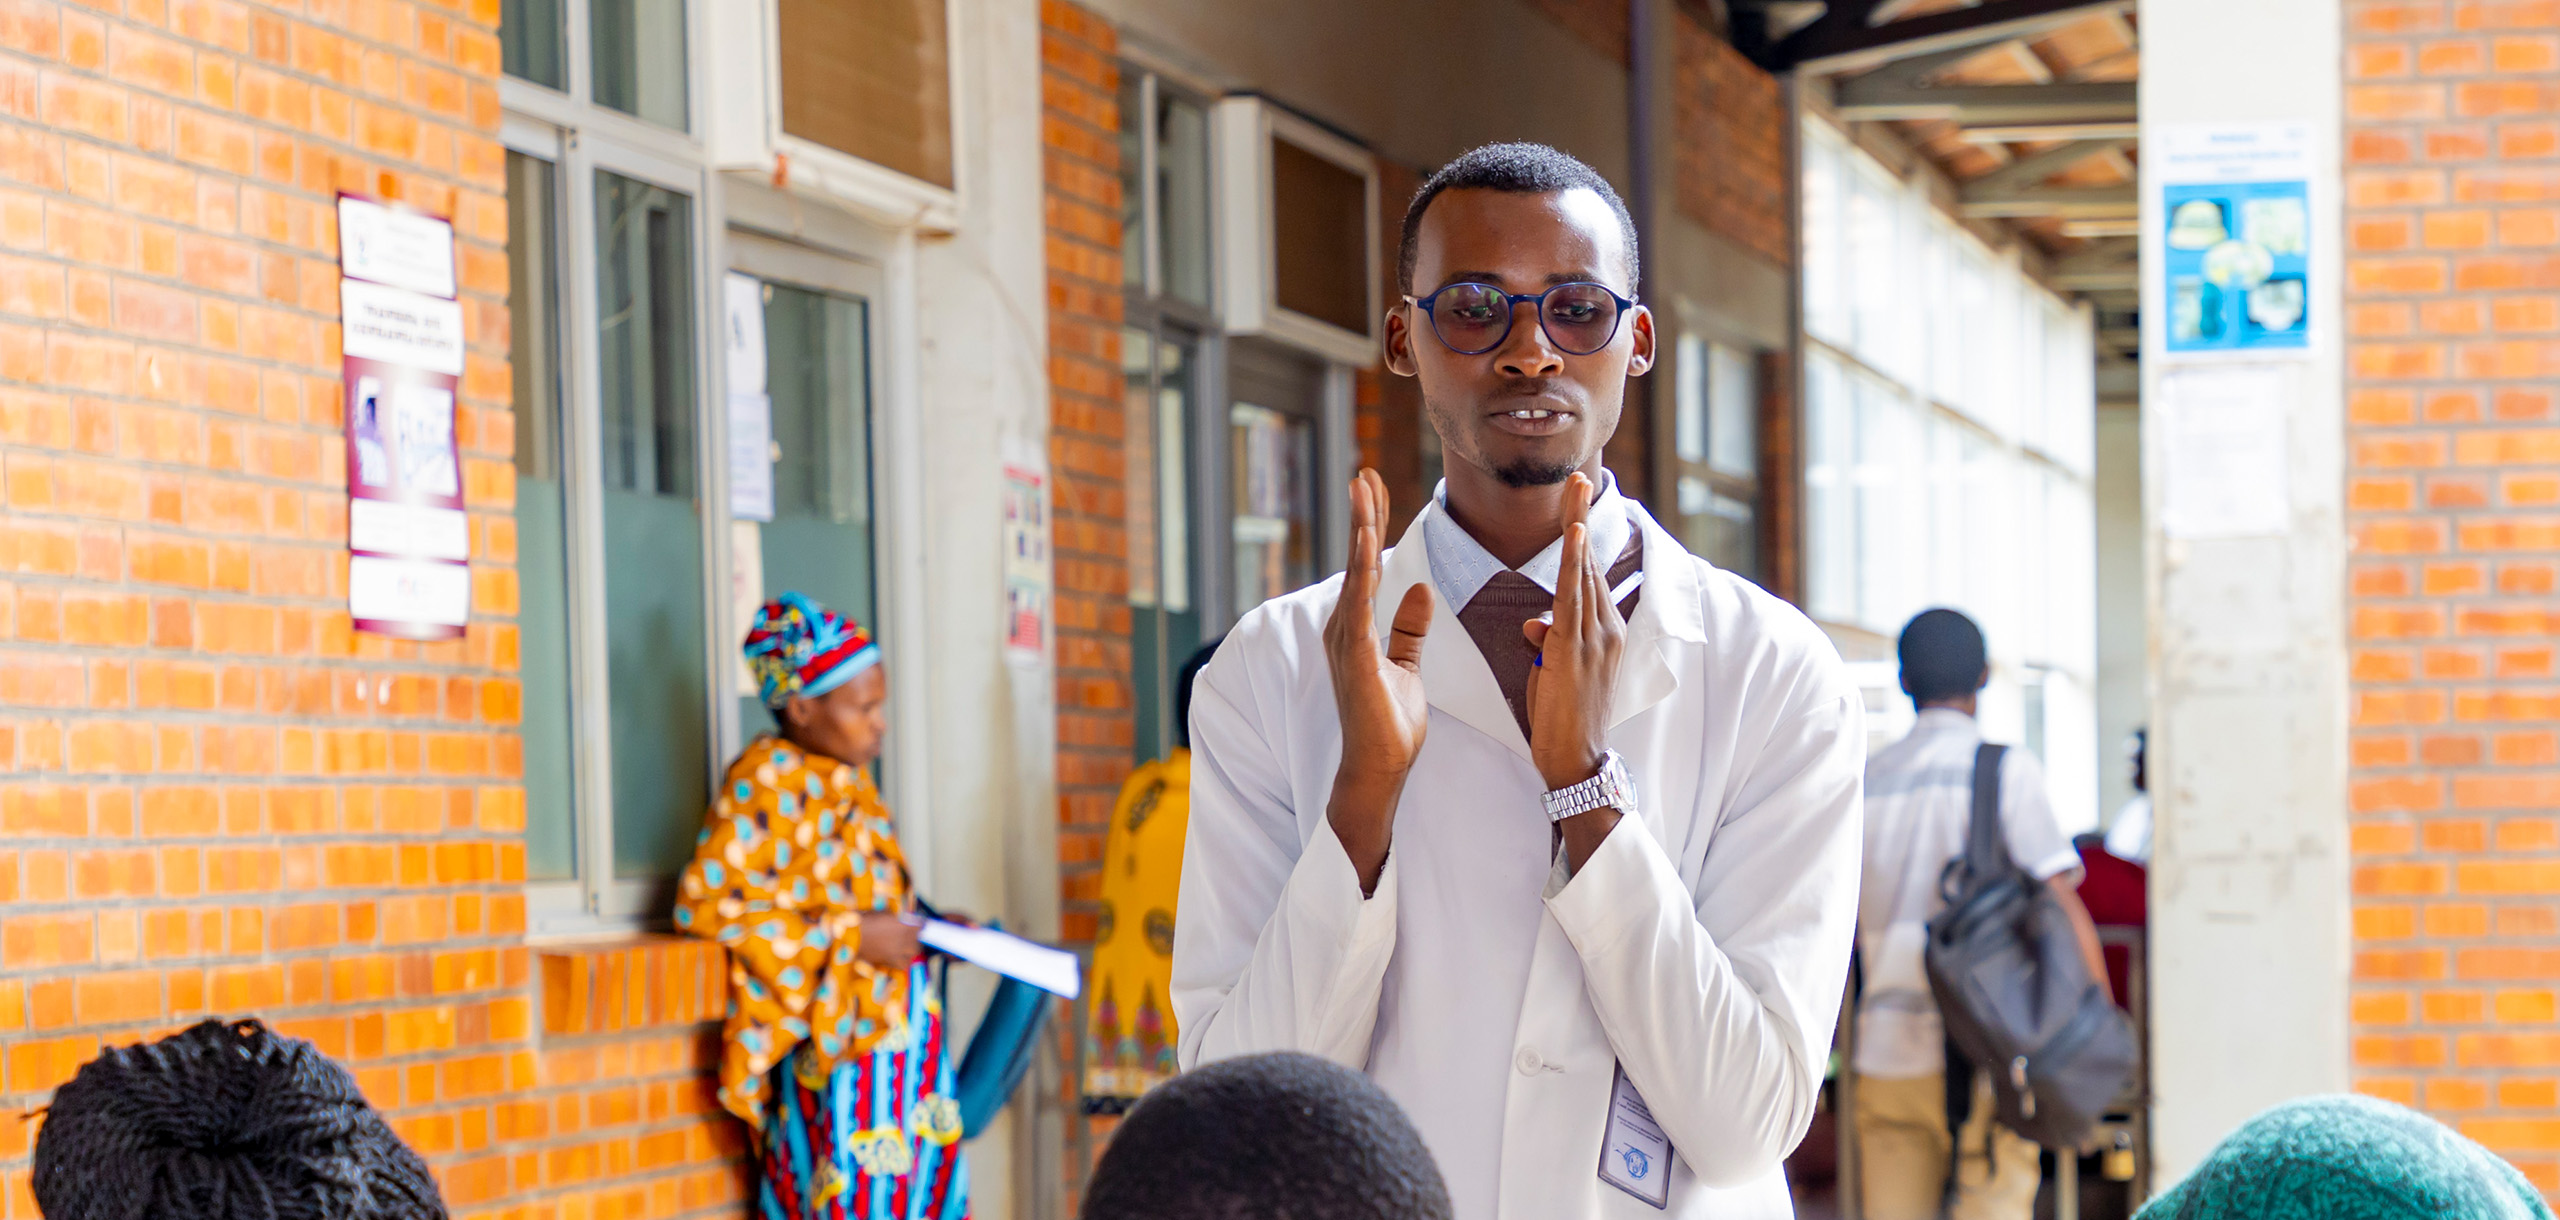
x,y
2225,450
2235,203
1026,563
408,539
750,407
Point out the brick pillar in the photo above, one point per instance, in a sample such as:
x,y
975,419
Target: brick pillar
x,y
1097,725
2453,300
1097,699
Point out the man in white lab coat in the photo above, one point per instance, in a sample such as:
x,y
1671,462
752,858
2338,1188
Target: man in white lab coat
x,y
1547,825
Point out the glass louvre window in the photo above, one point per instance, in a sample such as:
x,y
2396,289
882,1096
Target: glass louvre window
x,y
654,593
1716,435
1826,300
821,540
531,34
1160,377
1134,181
1273,463
638,59
1168,357
1182,194
1948,425
542,576
871,79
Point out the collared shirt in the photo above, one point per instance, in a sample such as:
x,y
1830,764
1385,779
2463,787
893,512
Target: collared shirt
x,y
1700,949
1919,808
1460,565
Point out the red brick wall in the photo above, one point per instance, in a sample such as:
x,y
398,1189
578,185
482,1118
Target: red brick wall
x,y
215,798
1600,24
1097,697
1097,726
1730,120
2453,299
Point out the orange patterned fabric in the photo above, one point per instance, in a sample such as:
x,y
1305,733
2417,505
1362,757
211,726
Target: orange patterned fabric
x,y
797,848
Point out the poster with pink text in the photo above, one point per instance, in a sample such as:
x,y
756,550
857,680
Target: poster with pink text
x,y
408,538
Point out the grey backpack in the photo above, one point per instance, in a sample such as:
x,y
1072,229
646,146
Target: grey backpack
x,y
2016,995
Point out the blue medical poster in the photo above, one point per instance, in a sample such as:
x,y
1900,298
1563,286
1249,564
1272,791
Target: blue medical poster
x,y
2236,259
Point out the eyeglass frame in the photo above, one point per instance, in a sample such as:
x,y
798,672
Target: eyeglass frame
x,y
1511,314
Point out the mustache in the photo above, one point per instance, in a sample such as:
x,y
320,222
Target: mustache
x,y
1538,387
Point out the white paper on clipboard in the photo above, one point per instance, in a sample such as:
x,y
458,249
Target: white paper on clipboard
x,y
1051,970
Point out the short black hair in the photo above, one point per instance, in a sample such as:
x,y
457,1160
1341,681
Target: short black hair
x,y
1182,690
1942,655
1267,1137
224,1122
1519,169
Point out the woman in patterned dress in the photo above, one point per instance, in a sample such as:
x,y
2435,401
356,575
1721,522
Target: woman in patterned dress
x,y
833,1053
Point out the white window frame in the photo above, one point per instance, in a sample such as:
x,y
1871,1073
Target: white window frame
x,y
746,63
1240,133
579,138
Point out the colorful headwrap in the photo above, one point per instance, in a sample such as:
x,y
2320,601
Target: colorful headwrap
x,y
798,647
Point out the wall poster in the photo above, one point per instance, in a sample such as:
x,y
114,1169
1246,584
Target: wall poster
x,y
408,538
2235,211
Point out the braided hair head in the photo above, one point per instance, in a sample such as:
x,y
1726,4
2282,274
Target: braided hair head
x,y
224,1122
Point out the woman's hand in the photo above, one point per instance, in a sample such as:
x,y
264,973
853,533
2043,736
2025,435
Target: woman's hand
x,y
890,940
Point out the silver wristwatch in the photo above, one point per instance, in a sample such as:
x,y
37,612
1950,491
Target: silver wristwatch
x,y
1612,788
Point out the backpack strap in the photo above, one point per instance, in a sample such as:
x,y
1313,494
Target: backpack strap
x,y
1986,850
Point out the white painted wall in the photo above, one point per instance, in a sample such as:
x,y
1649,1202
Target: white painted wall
x,y
2124,641
2248,884
1392,75
981,342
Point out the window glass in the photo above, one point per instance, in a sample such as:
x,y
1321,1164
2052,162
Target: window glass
x,y
1273,464
1133,180
654,596
821,540
1138,462
1733,412
638,58
871,78
530,33
542,576
1831,534
1826,305
1690,405
1182,199
1165,623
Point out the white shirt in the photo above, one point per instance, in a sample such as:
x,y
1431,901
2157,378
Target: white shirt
x,y
1702,947
1919,809
2130,837
1460,565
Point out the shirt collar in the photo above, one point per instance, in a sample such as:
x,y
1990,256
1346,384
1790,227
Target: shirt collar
x,y
1942,720
1460,565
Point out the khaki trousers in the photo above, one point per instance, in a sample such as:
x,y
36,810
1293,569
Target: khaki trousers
x,y
1902,1155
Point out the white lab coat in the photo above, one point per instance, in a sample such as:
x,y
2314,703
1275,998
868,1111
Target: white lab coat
x,y
1703,946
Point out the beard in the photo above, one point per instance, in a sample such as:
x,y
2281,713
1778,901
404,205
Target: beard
x,y
1528,472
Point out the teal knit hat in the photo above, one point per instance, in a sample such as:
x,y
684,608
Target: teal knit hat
x,y
2349,1158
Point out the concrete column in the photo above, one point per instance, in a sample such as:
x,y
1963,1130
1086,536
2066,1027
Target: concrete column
x,y
2249,878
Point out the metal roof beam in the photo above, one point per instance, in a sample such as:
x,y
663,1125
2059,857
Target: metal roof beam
x,y
1829,46
1864,98
2034,168
2049,201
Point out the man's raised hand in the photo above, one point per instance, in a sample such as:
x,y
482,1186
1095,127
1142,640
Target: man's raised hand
x,y
1573,687
1377,691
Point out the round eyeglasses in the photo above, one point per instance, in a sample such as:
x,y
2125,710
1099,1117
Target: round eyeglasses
x,y
1472,319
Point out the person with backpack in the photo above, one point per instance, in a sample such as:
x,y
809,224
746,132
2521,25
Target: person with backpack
x,y
1920,1106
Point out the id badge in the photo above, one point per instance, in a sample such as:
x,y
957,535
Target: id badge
x,y
1635,1156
